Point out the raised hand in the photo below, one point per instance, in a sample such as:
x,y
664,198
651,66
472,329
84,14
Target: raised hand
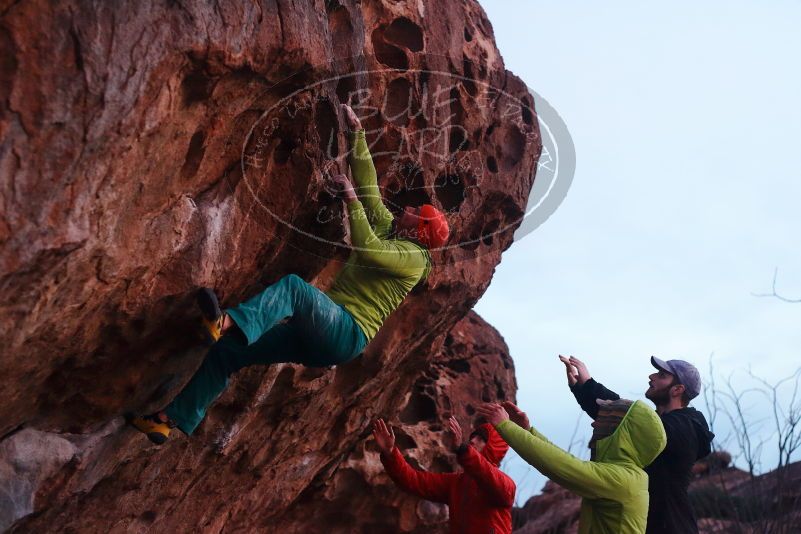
x,y
517,415
493,413
456,432
344,187
572,373
384,437
350,117
583,372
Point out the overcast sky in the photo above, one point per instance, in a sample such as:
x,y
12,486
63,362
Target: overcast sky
x,y
687,127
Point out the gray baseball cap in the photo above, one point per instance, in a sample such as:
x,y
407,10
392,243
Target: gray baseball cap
x,y
685,372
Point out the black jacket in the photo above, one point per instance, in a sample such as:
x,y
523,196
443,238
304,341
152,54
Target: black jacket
x,y
688,440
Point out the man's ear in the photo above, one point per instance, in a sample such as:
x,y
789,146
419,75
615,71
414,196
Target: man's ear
x,y
677,390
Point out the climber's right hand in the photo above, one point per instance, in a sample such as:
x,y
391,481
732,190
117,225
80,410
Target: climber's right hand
x,y
350,117
384,437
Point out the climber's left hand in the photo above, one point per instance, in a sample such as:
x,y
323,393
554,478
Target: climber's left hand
x,y
345,188
352,119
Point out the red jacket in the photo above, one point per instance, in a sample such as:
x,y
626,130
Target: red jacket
x,y
479,498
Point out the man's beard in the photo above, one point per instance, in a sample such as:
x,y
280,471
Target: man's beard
x,y
658,396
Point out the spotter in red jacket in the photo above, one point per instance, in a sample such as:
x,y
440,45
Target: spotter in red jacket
x,y
479,498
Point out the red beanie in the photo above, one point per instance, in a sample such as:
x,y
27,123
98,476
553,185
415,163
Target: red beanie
x,y
432,230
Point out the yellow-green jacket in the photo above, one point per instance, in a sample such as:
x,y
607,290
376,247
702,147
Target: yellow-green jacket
x,y
381,270
613,487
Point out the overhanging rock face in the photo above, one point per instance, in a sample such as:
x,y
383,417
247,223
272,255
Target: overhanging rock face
x,y
473,366
150,149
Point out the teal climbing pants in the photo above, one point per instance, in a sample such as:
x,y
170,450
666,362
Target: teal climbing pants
x,y
317,333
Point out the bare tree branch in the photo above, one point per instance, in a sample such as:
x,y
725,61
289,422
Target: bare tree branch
x,y
770,498
786,422
711,399
744,430
776,294
573,441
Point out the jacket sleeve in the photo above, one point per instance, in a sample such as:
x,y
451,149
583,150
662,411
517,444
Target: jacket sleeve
x,y
590,390
398,256
363,170
430,486
593,480
492,481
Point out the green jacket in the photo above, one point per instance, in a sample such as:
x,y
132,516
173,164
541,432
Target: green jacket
x,y
613,487
380,271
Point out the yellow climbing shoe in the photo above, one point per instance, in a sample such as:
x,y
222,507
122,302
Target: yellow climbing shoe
x,y
155,430
212,329
211,313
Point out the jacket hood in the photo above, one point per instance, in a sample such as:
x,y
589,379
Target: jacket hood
x,y
701,428
496,447
638,439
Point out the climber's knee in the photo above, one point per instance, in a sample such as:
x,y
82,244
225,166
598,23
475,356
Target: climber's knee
x,y
293,281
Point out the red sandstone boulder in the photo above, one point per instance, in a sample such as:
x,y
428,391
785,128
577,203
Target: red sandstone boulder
x,y
150,149
473,366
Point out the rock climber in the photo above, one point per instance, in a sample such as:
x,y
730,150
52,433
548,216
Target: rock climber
x,y
626,437
479,498
293,321
671,389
